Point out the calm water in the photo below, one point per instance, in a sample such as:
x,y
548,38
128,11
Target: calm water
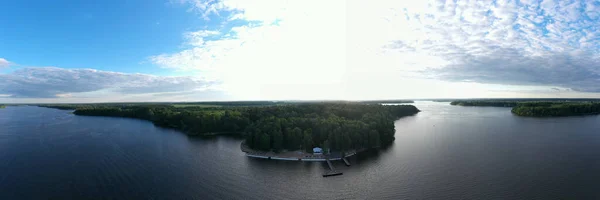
x,y
444,152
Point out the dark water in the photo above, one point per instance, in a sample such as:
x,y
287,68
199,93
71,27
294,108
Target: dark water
x,y
444,152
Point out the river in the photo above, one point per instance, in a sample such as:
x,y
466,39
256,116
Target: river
x,y
444,152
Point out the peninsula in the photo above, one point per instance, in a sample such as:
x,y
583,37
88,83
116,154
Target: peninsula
x,y
277,127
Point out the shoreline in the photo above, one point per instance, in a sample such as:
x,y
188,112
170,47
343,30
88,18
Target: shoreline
x,y
294,155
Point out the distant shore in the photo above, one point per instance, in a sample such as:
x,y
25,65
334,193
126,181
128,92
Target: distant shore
x,y
540,108
295,155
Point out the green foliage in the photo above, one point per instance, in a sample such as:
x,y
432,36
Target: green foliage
x,y
387,101
335,126
485,103
193,105
340,126
374,139
277,140
556,109
60,107
2,106
264,142
307,140
518,102
541,108
225,103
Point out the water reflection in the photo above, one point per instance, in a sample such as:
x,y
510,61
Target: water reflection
x,y
443,152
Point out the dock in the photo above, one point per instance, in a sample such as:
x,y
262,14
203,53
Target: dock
x,y
346,161
332,171
330,165
332,174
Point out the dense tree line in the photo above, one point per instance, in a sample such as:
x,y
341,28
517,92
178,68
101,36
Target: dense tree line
x,y
484,103
556,109
191,120
335,126
58,106
232,103
518,102
388,101
205,104
332,126
548,108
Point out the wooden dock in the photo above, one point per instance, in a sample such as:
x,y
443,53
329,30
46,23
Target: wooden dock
x,y
332,174
330,165
346,161
332,171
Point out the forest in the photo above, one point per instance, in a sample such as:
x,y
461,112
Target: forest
x,y
388,101
211,103
556,109
336,126
484,103
504,102
541,107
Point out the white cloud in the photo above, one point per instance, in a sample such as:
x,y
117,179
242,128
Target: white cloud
x,y
289,46
4,63
51,82
257,57
197,38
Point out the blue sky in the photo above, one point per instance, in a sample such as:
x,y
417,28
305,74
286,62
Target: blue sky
x,y
196,50
112,35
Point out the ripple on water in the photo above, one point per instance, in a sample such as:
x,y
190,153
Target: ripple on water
x,y
444,152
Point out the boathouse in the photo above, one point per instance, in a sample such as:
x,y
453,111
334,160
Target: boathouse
x,y
317,151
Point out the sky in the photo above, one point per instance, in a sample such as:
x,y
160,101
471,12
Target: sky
x,y
67,51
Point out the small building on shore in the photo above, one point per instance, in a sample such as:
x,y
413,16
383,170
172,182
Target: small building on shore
x,y
317,151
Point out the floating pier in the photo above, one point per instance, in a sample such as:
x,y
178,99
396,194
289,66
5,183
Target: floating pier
x,y
332,171
346,161
330,165
332,174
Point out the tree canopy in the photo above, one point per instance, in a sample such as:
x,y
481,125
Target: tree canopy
x,y
548,108
340,126
484,103
556,109
517,102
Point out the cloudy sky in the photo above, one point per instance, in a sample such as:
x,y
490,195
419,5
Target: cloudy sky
x,y
199,50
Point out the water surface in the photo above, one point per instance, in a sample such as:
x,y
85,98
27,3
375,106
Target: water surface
x,y
444,152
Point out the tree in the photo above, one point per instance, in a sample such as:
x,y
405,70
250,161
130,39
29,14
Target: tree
x,y
374,139
277,141
295,139
265,142
326,146
339,126
307,140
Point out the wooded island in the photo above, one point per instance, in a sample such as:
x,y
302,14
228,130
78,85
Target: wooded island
x,y
338,126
